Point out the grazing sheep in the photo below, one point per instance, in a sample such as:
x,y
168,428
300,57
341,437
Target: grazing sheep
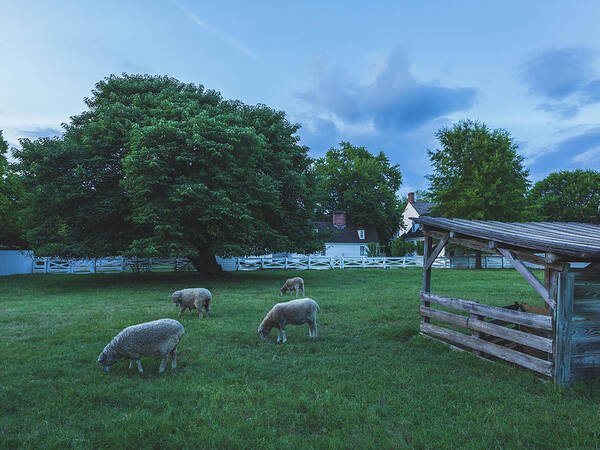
x,y
156,338
294,312
193,298
293,284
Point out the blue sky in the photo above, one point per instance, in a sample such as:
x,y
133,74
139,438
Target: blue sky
x,y
386,75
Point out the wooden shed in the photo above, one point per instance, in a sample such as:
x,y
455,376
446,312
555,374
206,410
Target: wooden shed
x,y
562,340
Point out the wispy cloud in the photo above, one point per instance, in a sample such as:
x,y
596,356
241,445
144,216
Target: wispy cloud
x,y
566,78
216,32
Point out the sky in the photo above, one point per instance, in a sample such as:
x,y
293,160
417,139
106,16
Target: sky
x,y
385,75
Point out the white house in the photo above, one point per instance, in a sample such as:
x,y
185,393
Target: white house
x,y
412,231
343,239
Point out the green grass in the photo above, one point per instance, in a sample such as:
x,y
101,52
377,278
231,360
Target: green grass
x,y
368,381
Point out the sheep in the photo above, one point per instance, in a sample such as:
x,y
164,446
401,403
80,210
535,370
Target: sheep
x,y
293,284
159,337
193,298
294,312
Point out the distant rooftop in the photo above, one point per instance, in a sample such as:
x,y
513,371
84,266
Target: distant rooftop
x,y
423,208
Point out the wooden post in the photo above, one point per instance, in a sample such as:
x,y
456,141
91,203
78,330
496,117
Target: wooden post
x,y
426,285
285,265
308,262
561,329
331,262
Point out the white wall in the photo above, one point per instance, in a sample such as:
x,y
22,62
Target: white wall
x,y
15,261
335,249
409,211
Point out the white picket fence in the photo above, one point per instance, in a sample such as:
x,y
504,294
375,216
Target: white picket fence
x,y
121,264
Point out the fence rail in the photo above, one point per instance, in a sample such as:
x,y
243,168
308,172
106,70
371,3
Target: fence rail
x,y
122,264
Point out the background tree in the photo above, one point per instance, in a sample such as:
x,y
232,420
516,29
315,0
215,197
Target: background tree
x,y
362,184
159,167
10,202
567,196
477,174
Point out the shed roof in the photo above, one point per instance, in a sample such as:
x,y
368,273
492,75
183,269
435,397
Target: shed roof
x,y
578,240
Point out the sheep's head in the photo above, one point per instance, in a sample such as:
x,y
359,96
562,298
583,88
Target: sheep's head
x,y
263,333
106,360
176,297
283,290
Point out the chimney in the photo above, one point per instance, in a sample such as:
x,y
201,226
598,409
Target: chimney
x,y
339,219
411,197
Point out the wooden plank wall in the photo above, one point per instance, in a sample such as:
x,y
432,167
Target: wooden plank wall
x,y
585,326
503,324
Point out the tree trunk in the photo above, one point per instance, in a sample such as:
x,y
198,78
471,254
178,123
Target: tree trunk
x,y
478,260
206,265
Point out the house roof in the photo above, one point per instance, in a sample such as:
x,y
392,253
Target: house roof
x,y
423,208
580,240
413,234
348,234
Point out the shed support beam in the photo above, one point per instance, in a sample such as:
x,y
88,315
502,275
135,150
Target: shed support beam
x,y
529,277
436,252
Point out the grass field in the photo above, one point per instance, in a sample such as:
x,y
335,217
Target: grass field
x,y
368,381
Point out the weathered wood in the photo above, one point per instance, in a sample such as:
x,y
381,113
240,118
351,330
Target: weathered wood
x,y
562,329
530,362
523,318
593,267
529,277
574,240
426,285
479,326
435,253
587,289
491,247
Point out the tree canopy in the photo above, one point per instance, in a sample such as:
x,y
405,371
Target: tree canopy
x,y
10,197
567,196
477,174
364,185
156,167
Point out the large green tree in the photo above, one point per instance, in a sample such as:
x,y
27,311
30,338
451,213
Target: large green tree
x,y
363,184
567,196
10,202
158,167
477,174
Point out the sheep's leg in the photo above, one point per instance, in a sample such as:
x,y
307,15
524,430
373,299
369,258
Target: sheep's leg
x,y
130,363
139,364
200,314
207,310
181,310
284,338
174,358
279,335
313,329
163,364
302,290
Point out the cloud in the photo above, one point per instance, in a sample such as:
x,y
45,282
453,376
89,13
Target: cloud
x,y
40,133
564,78
393,101
581,151
216,32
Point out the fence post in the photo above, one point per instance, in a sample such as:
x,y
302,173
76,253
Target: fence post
x,y
237,264
262,262
122,264
94,266
46,264
308,262
363,262
341,262
286,263
384,263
